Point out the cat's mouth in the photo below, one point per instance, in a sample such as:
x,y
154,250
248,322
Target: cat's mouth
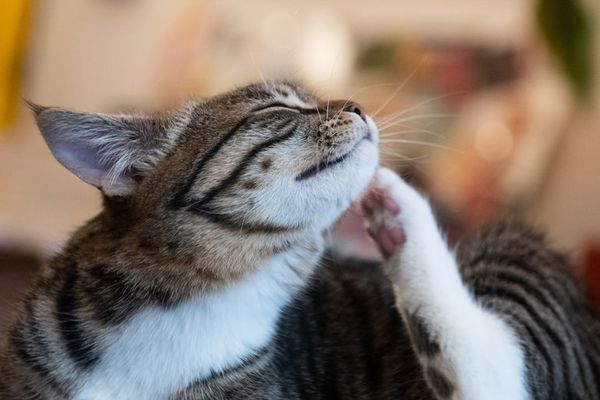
x,y
326,164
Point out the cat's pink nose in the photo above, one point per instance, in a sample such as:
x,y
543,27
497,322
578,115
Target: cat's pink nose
x,y
347,105
355,108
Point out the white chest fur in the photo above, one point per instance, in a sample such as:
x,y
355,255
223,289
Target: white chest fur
x,y
159,352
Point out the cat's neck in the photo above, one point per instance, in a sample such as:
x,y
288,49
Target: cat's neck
x,y
201,336
181,265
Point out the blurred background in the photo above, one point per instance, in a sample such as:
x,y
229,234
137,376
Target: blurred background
x,y
490,107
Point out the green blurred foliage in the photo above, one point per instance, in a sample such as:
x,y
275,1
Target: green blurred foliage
x,y
378,55
568,32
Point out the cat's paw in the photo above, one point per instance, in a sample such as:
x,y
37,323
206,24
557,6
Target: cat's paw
x,y
381,211
398,216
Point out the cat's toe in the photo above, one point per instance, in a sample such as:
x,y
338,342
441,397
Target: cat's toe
x,y
396,213
388,239
379,199
382,213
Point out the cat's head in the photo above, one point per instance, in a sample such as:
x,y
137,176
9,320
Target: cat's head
x,y
268,160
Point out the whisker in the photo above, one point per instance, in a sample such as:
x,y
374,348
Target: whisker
x,y
400,123
319,114
395,92
394,160
262,77
397,122
419,142
244,215
363,88
330,76
416,106
417,164
402,157
395,134
338,114
381,84
402,84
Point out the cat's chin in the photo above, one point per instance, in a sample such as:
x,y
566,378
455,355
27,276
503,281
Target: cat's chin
x,y
372,127
364,175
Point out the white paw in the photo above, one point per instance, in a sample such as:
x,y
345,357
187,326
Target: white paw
x,y
401,223
399,218
479,351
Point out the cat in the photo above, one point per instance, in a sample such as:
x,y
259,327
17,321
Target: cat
x,y
205,275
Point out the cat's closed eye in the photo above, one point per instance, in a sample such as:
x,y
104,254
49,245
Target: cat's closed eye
x,y
278,106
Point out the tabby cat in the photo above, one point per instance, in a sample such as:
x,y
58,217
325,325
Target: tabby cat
x,y
205,275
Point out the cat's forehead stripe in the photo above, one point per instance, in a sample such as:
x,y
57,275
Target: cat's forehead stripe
x,y
291,98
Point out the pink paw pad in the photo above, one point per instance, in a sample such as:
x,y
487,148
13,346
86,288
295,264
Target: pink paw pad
x,y
377,199
386,238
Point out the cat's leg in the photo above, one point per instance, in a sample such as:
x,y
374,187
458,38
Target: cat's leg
x,y
466,352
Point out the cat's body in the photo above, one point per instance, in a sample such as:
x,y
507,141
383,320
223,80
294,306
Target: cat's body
x,y
204,276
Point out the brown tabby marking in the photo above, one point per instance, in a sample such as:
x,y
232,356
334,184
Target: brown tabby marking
x,y
266,164
442,386
421,337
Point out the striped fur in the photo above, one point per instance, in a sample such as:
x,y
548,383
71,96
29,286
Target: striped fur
x,y
515,274
204,275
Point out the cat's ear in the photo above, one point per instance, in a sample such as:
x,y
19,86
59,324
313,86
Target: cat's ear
x,y
107,151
